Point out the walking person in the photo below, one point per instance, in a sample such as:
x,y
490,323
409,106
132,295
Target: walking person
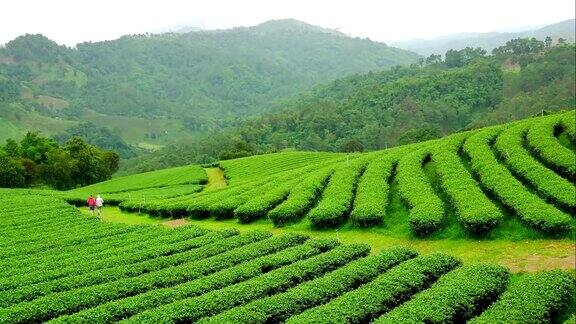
x,y
91,204
99,206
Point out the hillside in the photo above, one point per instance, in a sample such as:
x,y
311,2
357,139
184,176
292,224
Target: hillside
x,y
158,89
382,109
506,190
488,41
508,181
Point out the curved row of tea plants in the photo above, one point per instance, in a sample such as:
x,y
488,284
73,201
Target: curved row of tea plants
x,y
547,182
511,192
192,174
520,169
476,212
541,138
426,208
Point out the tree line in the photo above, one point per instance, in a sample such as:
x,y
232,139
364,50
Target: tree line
x,y
38,161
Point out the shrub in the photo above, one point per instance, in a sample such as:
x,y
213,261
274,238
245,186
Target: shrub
x,y
456,297
548,183
232,273
533,298
337,198
300,199
384,293
372,193
426,208
214,302
544,144
277,308
496,177
476,213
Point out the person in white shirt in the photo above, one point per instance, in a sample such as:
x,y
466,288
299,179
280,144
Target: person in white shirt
x,y
99,206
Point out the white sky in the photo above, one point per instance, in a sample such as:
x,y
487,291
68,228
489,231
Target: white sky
x,y
70,22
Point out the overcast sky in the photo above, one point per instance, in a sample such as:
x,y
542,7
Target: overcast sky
x,y
73,21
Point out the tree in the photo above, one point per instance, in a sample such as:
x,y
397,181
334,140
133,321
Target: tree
x,y
9,90
31,169
548,41
453,58
11,172
464,56
99,136
35,147
520,46
434,58
60,169
561,41
241,149
418,135
110,161
11,148
39,160
470,54
87,164
352,145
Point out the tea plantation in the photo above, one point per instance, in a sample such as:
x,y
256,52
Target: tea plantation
x,y
58,264
61,266
478,179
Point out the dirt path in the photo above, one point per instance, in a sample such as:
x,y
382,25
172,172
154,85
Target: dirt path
x,y
176,223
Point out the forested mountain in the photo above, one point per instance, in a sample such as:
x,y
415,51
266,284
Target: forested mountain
x,y
173,86
280,85
400,105
488,41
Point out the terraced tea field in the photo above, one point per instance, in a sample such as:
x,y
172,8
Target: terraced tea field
x,y
61,266
502,178
433,213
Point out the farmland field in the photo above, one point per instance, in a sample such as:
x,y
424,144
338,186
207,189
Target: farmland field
x,y
477,226
78,269
514,180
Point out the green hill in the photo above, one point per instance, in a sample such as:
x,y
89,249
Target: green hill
x,y
162,88
382,109
503,193
511,180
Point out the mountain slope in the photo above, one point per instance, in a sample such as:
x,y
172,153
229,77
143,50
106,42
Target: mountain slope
x,y
525,166
383,109
487,41
181,84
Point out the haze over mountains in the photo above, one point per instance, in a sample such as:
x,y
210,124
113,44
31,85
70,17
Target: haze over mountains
x,y
488,41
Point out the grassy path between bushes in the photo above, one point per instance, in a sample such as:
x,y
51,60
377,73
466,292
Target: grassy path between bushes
x,y
519,255
216,179
511,245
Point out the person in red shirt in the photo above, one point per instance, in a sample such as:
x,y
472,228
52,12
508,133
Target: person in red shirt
x,y
91,204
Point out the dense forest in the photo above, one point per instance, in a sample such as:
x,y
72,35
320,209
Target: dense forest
x,y
163,87
172,99
442,94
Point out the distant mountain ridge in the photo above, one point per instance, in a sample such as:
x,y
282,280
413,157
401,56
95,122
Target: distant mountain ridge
x,y
439,45
186,29
150,87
